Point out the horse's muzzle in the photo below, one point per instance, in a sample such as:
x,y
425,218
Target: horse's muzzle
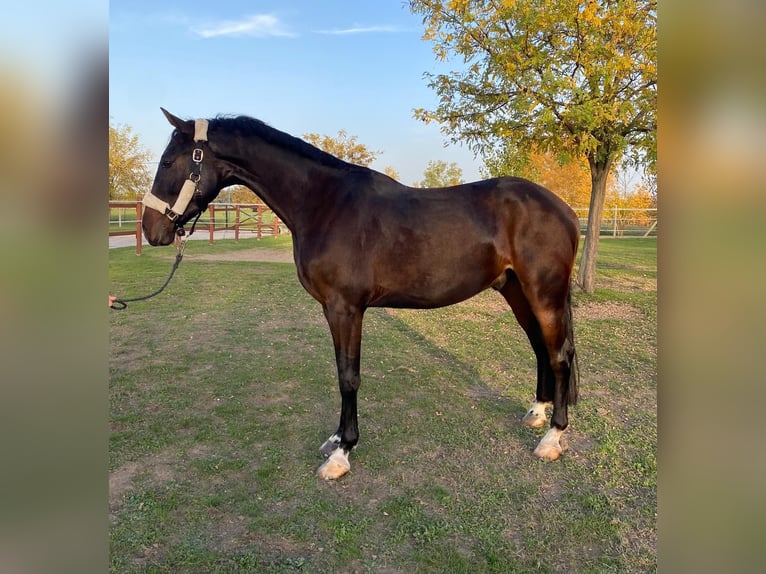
x,y
158,229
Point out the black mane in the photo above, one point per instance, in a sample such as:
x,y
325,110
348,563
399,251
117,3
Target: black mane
x,y
247,126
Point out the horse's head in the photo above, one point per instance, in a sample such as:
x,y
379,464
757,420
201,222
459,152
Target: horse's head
x,y
188,178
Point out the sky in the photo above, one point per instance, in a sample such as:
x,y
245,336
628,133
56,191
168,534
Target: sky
x,y
301,66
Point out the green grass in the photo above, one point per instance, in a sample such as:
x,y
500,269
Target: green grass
x,y
223,388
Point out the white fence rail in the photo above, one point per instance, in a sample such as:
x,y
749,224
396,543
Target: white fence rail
x,y
623,221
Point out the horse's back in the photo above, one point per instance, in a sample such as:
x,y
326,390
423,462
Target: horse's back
x,y
510,206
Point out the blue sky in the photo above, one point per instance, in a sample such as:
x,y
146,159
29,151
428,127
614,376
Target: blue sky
x,y
301,66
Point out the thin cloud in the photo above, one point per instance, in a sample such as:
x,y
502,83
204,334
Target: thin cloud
x,y
259,25
360,30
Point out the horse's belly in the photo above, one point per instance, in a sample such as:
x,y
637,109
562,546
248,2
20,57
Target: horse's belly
x,y
419,292
415,301
447,275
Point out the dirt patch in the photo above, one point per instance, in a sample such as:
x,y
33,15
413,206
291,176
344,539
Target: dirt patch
x,y
161,468
629,282
610,310
120,483
258,254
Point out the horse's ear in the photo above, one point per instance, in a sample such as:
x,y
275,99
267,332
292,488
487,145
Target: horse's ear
x,y
178,123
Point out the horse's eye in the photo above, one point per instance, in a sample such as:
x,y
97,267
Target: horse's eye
x,y
166,163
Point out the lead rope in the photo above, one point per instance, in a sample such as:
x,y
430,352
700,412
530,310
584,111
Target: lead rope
x,y
121,303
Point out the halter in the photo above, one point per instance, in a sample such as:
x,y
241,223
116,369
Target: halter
x,y
190,186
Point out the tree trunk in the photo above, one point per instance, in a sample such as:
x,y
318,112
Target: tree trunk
x,y
586,275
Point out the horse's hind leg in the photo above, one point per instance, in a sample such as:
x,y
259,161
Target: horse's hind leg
x,y
346,327
535,416
547,319
556,327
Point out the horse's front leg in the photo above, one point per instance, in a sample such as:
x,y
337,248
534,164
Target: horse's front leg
x,y
346,327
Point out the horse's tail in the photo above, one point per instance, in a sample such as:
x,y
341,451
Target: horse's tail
x,y
571,353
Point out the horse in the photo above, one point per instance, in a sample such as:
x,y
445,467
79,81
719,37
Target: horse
x,y
362,239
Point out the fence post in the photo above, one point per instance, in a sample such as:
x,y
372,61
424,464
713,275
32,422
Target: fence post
x,y
236,223
211,223
139,213
260,220
275,227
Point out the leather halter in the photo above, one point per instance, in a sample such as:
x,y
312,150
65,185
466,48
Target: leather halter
x,y
190,186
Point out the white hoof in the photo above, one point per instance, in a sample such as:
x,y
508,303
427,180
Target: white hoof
x,y
335,466
535,417
550,447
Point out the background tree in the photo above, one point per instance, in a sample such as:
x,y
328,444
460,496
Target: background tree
x,y
237,194
630,205
570,181
129,174
440,174
344,147
391,172
576,77
649,182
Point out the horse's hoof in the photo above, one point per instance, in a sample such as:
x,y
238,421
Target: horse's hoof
x,y
534,420
535,417
335,466
550,445
548,451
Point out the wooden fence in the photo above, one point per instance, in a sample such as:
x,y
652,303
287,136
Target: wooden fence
x,y
252,219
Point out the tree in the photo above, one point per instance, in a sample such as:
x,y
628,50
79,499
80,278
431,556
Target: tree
x,y
237,194
570,181
631,206
344,147
129,176
439,174
576,77
391,172
649,182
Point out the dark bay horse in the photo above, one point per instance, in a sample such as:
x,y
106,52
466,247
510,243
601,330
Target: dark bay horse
x,y
361,239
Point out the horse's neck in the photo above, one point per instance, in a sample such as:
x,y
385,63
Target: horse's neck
x,y
291,185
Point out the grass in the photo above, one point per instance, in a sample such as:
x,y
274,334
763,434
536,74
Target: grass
x,y
224,386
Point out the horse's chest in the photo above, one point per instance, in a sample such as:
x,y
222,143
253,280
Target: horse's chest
x,y
330,275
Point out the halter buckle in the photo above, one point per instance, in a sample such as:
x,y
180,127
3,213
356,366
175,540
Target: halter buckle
x,y
171,215
197,155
